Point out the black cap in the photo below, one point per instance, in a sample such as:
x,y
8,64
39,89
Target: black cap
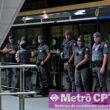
x,y
41,37
11,37
68,33
80,38
97,34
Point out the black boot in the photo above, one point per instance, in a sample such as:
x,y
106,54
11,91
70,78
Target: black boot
x,y
40,92
45,92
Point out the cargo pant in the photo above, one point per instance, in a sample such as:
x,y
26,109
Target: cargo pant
x,y
69,72
99,80
43,75
81,79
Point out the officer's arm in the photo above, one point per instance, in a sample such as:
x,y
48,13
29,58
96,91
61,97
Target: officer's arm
x,y
62,46
71,58
105,55
12,52
17,57
85,60
48,57
105,60
6,50
33,53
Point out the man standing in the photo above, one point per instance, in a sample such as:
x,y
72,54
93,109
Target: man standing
x,y
10,51
81,62
43,55
99,63
67,57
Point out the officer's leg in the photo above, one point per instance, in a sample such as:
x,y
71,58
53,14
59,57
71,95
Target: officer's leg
x,y
71,76
95,79
28,82
14,77
69,83
44,78
98,86
84,78
9,77
102,80
78,80
37,78
18,78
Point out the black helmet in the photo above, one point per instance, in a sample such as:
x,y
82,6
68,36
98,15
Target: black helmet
x,y
80,38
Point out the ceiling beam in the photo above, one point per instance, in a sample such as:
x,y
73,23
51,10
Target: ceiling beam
x,y
66,8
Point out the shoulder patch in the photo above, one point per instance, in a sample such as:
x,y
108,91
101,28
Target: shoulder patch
x,y
87,49
74,44
105,45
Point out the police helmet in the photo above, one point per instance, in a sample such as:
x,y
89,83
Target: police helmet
x,y
80,38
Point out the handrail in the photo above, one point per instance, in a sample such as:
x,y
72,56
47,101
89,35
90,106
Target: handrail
x,y
21,93
18,66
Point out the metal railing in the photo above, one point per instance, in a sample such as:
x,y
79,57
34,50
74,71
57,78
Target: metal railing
x,y
21,93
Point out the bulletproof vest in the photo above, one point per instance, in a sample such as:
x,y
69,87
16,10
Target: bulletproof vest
x,y
11,57
97,52
24,56
42,54
79,54
67,48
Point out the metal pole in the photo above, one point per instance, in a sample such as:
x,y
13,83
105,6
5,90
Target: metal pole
x,y
21,97
22,73
18,93
0,90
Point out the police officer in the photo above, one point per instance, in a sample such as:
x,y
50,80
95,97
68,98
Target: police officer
x,y
81,62
10,50
43,56
99,63
67,56
23,56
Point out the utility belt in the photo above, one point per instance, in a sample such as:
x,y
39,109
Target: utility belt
x,y
83,66
97,63
65,60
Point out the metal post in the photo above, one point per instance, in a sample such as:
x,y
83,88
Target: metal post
x,y
0,90
21,97
21,93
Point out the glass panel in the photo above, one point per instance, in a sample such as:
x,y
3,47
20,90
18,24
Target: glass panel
x,y
33,32
68,27
56,31
87,30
